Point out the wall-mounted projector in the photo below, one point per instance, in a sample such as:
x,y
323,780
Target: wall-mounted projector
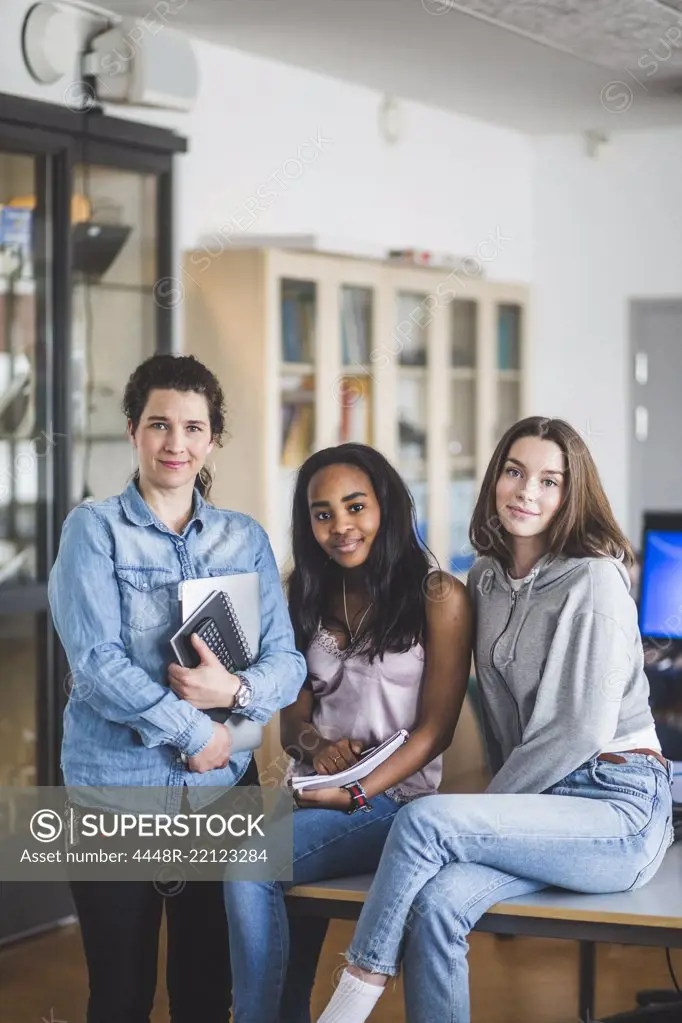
x,y
131,64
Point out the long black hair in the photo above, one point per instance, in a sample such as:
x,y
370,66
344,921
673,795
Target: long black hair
x,y
396,566
177,373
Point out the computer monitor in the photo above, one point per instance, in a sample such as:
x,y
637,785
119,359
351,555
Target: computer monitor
x,y
660,588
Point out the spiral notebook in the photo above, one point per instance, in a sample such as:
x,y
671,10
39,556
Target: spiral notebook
x,y
243,589
220,608
368,762
235,609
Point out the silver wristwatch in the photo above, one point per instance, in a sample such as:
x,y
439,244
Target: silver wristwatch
x,y
244,694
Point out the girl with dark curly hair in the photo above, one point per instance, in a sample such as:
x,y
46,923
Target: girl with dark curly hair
x,y
113,594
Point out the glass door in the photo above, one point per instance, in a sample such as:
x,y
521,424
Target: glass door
x,y
463,358
29,443
26,454
355,393
509,331
412,401
93,238
114,241
298,299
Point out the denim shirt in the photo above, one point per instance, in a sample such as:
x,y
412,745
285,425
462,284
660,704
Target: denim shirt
x,y
113,592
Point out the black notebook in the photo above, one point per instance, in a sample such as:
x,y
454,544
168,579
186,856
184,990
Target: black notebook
x,y
217,623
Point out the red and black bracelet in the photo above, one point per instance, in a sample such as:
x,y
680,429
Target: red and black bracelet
x,y
359,800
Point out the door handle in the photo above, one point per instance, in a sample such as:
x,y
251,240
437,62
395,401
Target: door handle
x,y
641,367
641,423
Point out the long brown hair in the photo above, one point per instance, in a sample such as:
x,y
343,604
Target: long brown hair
x,y
584,525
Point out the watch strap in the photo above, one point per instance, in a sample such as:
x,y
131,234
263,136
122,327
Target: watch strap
x,y
359,799
245,689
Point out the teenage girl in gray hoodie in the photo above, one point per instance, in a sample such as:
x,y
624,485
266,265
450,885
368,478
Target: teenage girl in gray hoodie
x,y
580,796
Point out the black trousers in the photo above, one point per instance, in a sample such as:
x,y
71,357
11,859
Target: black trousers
x,y
120,923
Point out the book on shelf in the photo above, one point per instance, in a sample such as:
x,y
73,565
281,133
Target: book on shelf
x,y
16,239
291,341
355,401
298,426
508,337
356,325
463,333
412,334
298,323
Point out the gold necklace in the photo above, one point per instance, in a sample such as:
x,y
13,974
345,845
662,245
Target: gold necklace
x,y
345,612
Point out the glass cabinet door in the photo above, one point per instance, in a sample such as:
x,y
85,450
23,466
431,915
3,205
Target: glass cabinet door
x,y
114,241
81,250
412,401
509,329
297,383
24,448
297,371
26,451
355,383
463,357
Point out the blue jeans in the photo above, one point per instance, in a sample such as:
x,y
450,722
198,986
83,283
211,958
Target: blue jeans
x,y
274,959
448,859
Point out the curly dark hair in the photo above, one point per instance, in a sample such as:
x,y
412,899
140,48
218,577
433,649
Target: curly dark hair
x,y
177,373
397,564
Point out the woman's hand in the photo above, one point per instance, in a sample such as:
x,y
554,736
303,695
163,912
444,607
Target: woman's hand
x,y
333,757
324,799
216,753
206,686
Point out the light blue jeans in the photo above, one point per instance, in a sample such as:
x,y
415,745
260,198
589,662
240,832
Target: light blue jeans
x,y
273,958
448,859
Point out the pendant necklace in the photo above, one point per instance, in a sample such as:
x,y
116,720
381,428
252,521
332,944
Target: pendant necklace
x,y
345,612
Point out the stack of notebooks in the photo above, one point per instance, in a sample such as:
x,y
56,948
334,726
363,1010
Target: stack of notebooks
x,y
225,612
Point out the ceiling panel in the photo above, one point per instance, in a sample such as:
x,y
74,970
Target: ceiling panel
x,y
613,34
532,65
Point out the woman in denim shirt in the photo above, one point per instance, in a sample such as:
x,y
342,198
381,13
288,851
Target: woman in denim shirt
x,y
113,592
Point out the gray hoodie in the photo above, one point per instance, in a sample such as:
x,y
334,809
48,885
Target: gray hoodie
x,y
559,666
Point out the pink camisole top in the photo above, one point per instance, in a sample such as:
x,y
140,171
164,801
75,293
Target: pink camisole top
x,y
369,702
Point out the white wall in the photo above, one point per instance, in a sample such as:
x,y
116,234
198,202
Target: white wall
x,y
449,184
605,231
590,234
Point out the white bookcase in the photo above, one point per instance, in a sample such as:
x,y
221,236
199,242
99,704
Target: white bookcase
x,y
314,349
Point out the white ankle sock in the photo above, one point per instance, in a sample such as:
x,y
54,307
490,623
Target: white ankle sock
x,y
352,1002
